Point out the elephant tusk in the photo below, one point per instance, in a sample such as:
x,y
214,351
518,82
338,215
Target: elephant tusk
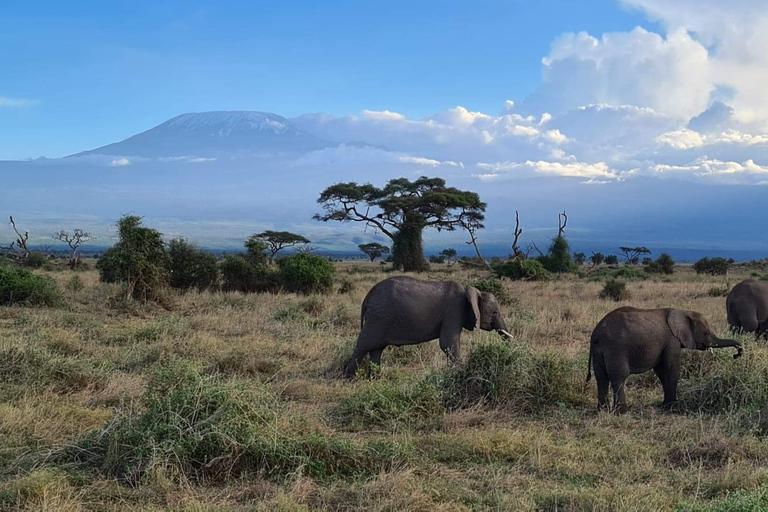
x,y
505,333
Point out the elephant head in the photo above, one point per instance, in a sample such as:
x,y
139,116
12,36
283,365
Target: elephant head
x,y
484,312
692,331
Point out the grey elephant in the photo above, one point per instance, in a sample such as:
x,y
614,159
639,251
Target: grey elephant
x,y
631,340
747,307
405,311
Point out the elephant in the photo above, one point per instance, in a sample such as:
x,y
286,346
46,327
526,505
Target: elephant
x,y
405,311
632,340
747,307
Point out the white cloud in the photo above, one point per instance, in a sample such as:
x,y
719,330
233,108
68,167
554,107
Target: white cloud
x,y
120,162
494,171
16,102
668,74
383,115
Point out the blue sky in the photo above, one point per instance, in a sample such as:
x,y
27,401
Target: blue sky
x,y
93,72
652,109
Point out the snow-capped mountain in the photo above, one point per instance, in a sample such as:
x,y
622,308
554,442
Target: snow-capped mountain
x,y
214,133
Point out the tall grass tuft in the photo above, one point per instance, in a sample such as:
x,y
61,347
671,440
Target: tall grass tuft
x,y
196,427
498,372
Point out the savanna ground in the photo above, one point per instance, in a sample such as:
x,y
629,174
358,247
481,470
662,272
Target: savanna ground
x,y
234,402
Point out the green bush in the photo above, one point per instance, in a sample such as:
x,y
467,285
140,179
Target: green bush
x,y
615,290
21,286
517,269
196,427
500,372
36,260
306,273
558,260
714,266
245,274
138,260
191,267
611,259
718,291
664,264
416,405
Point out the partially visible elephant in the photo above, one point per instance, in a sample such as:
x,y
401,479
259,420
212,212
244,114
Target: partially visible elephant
x,y
631,340
747,307
405,311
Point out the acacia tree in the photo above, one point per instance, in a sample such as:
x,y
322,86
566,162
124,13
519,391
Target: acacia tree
x,y
278,240
374,250
633,253
75,240
450,256
402,210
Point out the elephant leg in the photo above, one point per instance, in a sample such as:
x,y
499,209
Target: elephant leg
x,y
376,355
618,384
601,377
450,336
357,357
375,360
670,366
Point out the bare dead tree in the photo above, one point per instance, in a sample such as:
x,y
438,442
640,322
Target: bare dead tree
x,y
472,230
18,249
533,247
516,252
562,221
75,240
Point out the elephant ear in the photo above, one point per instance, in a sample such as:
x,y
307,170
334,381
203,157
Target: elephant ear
x,y
473,297
680,324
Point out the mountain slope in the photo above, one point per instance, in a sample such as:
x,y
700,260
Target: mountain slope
x,y
216,133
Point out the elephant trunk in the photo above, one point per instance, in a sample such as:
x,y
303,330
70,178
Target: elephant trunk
x,y
723,343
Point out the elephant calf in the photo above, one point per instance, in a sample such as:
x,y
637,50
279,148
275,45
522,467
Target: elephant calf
x,y
747,307
405,311
631,340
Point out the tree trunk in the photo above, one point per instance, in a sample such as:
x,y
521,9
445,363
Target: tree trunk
x,y
407,249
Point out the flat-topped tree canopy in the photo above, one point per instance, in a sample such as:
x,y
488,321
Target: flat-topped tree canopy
x,y
402,210
278,240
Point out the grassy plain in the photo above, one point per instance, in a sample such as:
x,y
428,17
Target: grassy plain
x,y
234,402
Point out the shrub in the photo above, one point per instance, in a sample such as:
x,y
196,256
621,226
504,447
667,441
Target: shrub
x,y
138,259
36,260
241,273
500,372
714,266
437,259
191,267
611,259
597,258
517,269
306,273
196,427
558,260
664,264
75,284
615,290
21,286
416,405
346,286
718,291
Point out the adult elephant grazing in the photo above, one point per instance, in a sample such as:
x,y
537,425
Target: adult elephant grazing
x,y
405,311
747,307
632,340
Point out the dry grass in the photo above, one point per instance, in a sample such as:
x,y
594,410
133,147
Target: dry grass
x,y
66,372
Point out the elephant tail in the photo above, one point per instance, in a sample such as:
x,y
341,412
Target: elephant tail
x,y
589,365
